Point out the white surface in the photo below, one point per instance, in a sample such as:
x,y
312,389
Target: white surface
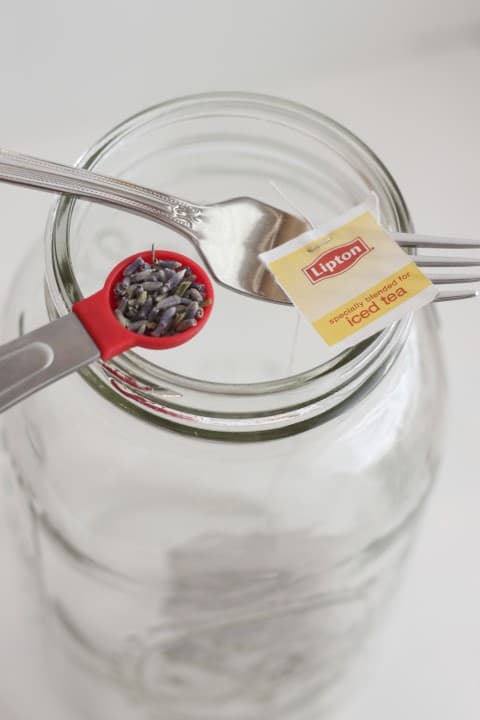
x,y
403,77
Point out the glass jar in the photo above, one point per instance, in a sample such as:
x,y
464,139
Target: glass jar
x,y
216,529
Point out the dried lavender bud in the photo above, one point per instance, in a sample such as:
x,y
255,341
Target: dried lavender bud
x,y
168,301
186,324
145,309
195,295
152,286
137,326
134,266
121,317
172,264
131,291
165,322
159,276
140,276
154,314
192,310
175,280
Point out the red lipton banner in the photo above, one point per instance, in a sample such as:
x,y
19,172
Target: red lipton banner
x,y
336,261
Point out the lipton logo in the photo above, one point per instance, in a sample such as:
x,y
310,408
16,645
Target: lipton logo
x,y
336,261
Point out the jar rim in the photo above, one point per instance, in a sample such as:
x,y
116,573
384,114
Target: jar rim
x,y
150,388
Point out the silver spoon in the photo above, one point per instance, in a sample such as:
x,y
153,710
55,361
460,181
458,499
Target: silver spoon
x,y
228,235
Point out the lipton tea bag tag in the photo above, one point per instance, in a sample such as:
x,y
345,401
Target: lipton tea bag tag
x,y
349,277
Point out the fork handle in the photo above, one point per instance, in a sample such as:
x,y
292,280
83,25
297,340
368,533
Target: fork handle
x,y
54,177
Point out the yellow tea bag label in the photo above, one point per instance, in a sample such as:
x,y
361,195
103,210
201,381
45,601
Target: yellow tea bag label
x,y
349,277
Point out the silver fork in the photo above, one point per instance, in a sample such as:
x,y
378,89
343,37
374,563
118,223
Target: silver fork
x,y
228,235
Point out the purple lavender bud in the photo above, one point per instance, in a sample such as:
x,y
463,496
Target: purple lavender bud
x,y
134,266
192,310
165,322
168,301
186,324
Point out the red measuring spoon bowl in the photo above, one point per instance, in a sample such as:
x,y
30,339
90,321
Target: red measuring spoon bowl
x,y
97,312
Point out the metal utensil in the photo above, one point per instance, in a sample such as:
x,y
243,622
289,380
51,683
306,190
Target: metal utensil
x,y
91,331
228,235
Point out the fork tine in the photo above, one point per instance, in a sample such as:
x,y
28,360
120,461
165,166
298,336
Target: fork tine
x,y
429,241
446,279
445,261
454,295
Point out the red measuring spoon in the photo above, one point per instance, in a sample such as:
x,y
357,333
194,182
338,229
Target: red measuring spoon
x,y
90,332
97,311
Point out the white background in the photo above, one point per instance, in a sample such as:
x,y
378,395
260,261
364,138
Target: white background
x,y
405,77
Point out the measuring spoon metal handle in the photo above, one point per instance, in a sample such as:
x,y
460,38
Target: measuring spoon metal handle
x,y
37,359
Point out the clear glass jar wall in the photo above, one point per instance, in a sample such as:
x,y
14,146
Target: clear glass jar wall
x,y
216,529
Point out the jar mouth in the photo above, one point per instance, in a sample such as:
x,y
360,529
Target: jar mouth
x,y
146,385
